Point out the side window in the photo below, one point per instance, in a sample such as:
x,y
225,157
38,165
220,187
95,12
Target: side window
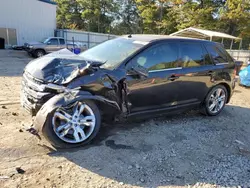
x,y
217,55
222,49
192,55
158,57
62,41
207,58
53,42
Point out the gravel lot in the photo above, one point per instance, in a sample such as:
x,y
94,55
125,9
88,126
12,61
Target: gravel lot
x,y
182,150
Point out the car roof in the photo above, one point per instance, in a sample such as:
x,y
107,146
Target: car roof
x,y
151,38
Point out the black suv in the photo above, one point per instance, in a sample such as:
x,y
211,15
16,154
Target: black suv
x,y
125,77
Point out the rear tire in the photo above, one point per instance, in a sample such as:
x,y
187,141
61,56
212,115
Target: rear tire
x,y
215,101
52,136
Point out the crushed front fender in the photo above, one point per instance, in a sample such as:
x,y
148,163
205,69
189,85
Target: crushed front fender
x,y
63,100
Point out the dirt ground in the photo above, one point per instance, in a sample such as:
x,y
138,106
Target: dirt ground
x,y
182,150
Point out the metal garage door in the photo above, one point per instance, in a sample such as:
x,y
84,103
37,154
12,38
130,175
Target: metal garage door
x,y
9,35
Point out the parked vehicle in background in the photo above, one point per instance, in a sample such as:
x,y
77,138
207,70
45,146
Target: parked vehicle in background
x,y
51,44
145,75
17,47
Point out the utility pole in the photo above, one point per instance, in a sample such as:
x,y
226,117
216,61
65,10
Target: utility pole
x,y
161,12
99,24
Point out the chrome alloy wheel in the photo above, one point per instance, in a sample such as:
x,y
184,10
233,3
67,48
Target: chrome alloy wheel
x,y
216,100
74,125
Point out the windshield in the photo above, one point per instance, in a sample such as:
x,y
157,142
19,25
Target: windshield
x,y
46,40
112,52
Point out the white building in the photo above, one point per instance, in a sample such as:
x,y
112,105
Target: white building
x,y
26,20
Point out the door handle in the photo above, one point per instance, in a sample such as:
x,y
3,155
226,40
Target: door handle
x,y
173,77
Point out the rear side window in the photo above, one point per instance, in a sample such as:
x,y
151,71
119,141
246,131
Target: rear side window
x,y
62,41
193,55
229,58
216,54
158,57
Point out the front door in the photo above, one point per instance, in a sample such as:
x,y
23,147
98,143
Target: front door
x,y
52,45
161,88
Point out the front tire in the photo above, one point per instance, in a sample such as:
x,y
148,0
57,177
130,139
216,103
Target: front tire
x,y
39,53
215,101
73,126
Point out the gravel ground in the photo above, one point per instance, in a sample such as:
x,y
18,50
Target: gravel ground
x,y
182,150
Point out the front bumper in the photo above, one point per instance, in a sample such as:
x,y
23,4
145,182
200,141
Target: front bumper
x,y
26,104
27,49
33,94
30,51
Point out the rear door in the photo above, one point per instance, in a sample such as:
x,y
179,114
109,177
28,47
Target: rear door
x,y
62,44
225,66
197,72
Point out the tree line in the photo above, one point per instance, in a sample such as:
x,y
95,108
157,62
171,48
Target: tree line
x,y
155,16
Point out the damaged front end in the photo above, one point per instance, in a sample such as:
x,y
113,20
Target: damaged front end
x,y
63,79
50,75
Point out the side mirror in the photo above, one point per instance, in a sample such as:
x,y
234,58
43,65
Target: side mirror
x,y
138,70
48,42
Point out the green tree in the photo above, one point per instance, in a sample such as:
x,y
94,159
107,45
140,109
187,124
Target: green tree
x,y
166,22
98,14
148,11
234,17
127,18
190,13
68,15
90,15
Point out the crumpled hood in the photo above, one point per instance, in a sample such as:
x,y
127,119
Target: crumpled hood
x,y
59,67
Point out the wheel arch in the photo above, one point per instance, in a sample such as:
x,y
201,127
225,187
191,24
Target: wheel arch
x,y
61,100
41,49
116,94
226,85
203,109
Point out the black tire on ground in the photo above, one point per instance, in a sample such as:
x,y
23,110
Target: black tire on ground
x,y
39,53
205,109
55,141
